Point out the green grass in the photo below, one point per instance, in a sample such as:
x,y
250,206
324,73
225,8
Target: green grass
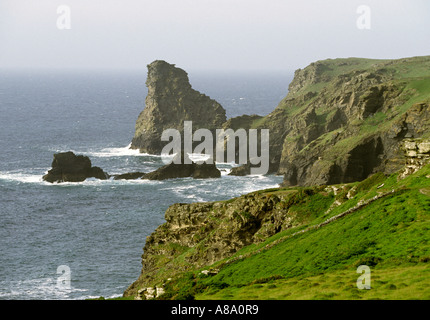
x,y
390,235
422,85
332,68
337,245
386,283
373,124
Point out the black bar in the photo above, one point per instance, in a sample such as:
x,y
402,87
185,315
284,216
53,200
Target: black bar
x,y
240,309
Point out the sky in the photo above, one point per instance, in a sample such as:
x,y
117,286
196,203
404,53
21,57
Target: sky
x,y
208,35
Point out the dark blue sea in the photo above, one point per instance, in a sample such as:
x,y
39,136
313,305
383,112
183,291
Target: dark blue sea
x,y
96,228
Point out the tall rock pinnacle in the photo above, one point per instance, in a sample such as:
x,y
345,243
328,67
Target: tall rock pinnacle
x,y
170,101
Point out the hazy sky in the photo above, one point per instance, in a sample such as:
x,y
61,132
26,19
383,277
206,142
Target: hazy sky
x,y
208,34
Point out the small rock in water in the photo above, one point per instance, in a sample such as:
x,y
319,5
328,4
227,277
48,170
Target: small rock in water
x,y
68,167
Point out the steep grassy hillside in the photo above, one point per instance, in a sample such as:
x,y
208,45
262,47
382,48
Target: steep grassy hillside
x,y
381,222
390,235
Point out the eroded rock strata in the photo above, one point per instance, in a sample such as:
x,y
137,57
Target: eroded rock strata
x,y
215,230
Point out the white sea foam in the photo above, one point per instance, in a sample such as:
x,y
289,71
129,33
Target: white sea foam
x,y
224,171
20,177
253,183
111,181
110,152
185,193
117,152
197,157
42,288
224,187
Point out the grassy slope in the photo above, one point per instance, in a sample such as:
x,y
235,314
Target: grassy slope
x,y
399,69
390,235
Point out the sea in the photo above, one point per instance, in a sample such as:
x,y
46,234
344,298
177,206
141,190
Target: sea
x,y
75,241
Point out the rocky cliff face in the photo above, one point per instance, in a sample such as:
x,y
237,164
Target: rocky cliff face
x,y
345,119
200,234
170,101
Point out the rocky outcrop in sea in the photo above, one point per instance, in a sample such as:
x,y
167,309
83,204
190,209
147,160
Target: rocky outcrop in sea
x,y
184,169
68,167
170,101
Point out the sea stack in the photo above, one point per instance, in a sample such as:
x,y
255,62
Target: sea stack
x,y
68,167
170,101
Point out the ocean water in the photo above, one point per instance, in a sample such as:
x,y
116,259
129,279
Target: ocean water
x,y
97,229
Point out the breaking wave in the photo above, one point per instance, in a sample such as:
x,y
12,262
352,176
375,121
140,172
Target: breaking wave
x,y
21,177
43,288
116,152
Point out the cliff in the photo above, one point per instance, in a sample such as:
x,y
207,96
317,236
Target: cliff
x,y
345,119
170,101
204,233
